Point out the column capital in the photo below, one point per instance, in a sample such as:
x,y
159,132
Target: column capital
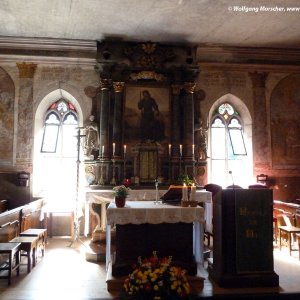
x,y
258,78
105,83
190,87
118,86
176,88
26,70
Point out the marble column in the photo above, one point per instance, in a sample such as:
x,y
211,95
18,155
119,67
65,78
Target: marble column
x,y
175,108
117,119
105,85
25,115
188,121
260,129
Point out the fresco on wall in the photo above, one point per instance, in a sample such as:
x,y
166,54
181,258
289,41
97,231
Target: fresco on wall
x,y
147,114
6,117
285,125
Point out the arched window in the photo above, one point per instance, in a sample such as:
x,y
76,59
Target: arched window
x,y
228,151
60,125
58,156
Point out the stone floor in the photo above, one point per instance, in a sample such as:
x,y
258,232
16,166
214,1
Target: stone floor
x,y
64,273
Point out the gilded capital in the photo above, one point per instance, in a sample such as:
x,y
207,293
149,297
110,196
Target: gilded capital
x,y
190,87
176,88
105,83
118,86
26,70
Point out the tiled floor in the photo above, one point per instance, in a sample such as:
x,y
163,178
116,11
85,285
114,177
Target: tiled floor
x,y
64,273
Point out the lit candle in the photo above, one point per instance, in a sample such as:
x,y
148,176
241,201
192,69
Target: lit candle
x,y
193,192
170,149
102,151
193,149
180,148
184,192
114,148
125,149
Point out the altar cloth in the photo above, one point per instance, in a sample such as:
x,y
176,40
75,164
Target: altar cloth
x,y
142,212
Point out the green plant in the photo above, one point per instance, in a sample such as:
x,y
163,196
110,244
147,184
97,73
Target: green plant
x,y
184,178
121,191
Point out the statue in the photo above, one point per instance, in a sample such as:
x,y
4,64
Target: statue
x,y
201,141
91,138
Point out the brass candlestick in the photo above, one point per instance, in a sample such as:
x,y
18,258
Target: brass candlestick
x,y
113,180
101,180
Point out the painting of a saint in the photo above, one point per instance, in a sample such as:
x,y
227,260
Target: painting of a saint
x,y
151,126
147,114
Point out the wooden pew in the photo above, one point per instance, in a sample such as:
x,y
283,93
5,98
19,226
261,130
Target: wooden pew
x,y
8,231
31,215
3,206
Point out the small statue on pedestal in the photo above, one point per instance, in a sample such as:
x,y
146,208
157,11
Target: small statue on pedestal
x,y
91,142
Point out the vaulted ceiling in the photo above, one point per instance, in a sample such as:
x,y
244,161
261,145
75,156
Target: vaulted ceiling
x,y
201,22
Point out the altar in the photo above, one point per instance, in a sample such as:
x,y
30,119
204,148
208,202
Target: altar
x,y
143,227
104,197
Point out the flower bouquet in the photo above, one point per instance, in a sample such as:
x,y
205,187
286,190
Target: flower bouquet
x,y
120,192
155,279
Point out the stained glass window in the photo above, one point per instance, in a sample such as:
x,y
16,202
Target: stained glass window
x,y
61,120
227,144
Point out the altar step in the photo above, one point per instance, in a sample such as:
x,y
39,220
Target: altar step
x,y
115,285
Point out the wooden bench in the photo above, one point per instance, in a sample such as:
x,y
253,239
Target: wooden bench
x,y
13,251
289,230
29,246
37,232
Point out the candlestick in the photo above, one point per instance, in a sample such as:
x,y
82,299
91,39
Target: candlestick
x,y
156,192
114,148
113,180
170,146
184,193
193,192
180,149
102,151
124,162
193,149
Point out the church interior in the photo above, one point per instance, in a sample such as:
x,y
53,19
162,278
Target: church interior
x,y
186,110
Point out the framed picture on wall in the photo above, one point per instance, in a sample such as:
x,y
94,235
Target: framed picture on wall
x,y
147,114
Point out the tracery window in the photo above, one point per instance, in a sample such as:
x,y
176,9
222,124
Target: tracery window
x,y
60,125
227,144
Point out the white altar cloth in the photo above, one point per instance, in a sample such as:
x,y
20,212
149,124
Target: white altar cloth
x,y
104,197
141,212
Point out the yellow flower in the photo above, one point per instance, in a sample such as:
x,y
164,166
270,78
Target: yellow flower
x,y
155,287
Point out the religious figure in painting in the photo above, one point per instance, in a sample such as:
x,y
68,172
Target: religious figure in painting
x,y
152,127
91,138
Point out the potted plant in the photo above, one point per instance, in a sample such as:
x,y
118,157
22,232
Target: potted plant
x,y
120,193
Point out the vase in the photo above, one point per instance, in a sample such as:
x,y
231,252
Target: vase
x,y
120,201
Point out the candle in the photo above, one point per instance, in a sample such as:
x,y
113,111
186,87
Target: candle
x,y
180,148
170,149
193,192
193,149
184,193
114,148
102,151
125,149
